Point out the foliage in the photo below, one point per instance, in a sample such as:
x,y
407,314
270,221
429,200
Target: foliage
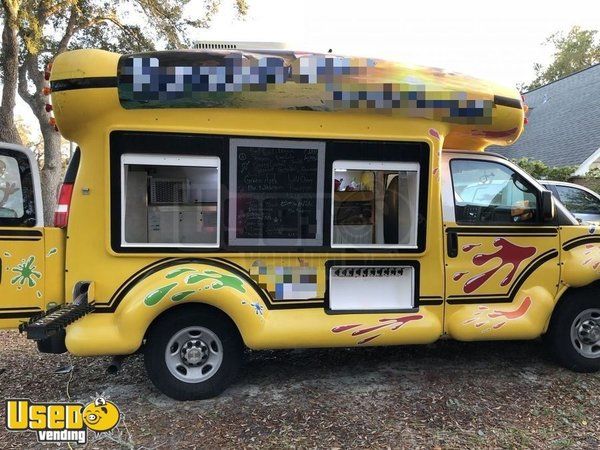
x,y
541,171
577,50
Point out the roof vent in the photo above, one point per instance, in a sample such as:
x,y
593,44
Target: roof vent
x,y
234,45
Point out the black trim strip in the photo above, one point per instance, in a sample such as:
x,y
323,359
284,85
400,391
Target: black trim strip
x,y
71,84
431,301
20,239
508,101
499,231
505,298
17,315
35,233
578,241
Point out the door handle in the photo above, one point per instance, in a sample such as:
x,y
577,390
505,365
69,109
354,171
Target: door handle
x,y
452,243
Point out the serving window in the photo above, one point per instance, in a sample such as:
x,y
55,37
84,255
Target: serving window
x,y
276,191
375,204
170,201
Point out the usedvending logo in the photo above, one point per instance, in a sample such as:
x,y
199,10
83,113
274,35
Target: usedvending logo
x,y
61,422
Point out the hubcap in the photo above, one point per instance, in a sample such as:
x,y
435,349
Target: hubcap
x,y
194,354
585,333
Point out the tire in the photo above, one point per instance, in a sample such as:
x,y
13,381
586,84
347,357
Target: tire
x,y
574,332
193,353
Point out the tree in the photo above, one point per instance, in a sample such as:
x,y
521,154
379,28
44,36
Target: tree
x,y
541,171
578,50
9,63
46,28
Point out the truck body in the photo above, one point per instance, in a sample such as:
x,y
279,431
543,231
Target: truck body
x,y
221,199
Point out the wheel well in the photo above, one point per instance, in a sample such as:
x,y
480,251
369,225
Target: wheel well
x,y
177,309
573,292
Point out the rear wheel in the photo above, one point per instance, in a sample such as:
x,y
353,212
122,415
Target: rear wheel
x,y
193,353
574,334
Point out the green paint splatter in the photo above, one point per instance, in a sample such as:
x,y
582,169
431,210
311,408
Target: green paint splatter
x,y
38,294
27,273
220,280
181,295
156,296
53,251
177,272
7,255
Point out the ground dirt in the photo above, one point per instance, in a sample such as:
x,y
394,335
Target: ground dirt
x,y
445,395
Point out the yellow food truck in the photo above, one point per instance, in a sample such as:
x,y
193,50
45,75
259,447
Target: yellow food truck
x,y
223,199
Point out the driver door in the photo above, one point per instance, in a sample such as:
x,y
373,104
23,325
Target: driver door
x,y
21,237
501,256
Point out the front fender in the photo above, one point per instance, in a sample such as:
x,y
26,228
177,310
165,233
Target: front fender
x,y
122,331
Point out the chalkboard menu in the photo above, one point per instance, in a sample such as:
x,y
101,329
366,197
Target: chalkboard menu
x,y
278,188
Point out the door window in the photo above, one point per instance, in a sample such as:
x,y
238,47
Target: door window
x,y
16,190
490,193
578,201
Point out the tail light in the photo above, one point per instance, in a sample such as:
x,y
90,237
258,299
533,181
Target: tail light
x,y
61,214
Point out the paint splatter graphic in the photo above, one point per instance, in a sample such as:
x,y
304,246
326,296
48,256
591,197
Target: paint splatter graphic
x,y
469,247
53,251
218,280
489,320
391,324
256,307
508,253
27,275
458,275
592,257
194,277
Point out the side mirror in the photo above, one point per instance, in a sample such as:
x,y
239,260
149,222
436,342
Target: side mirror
x,y
547,205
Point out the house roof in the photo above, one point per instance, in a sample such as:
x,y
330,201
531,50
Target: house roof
x,y
564,121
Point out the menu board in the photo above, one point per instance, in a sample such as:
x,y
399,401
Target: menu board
x,y
277,193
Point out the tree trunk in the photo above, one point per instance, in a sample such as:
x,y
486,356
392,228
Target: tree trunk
x,y
51,173
9,67
52,169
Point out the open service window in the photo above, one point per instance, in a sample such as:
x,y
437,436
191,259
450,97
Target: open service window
x,y
170,201
276,191
375,204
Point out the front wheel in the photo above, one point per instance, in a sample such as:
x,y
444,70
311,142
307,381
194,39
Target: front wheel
x,y
574,334
193,353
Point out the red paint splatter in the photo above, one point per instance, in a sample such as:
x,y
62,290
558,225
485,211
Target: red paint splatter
x,y
515,314
365,340
469,247
391,323
345,327
435,171
499,325
458,275
433,132
494,134
394,324
508,253
595,266
480,324
483,307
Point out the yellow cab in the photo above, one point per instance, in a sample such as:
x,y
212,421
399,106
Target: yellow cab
x,y
228,198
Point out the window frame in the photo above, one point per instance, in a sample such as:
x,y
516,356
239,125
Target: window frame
x,y
539,220
378,165
30,188
318,145
169,161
